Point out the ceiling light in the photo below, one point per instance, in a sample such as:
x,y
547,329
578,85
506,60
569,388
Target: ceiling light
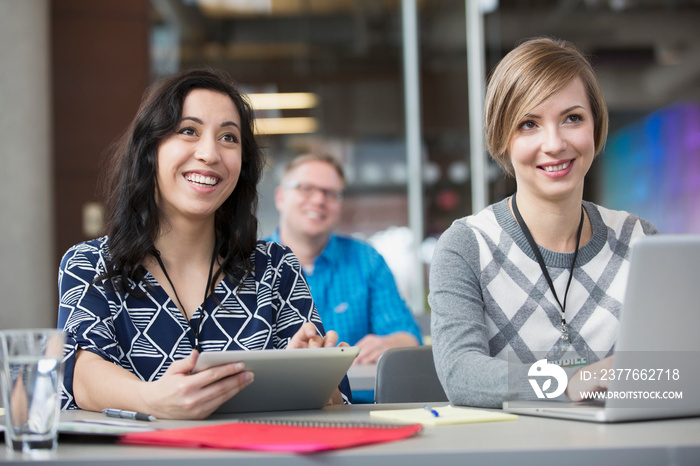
x,y
241,6
298,125
269,101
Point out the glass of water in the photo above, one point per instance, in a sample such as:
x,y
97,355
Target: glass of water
x,y
31,372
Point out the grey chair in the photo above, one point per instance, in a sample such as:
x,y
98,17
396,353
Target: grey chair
x,y
406,375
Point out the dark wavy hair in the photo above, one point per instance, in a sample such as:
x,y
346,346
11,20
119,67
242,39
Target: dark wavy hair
x,y
132,217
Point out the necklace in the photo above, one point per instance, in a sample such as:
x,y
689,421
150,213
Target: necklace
x,y
540,261
196,330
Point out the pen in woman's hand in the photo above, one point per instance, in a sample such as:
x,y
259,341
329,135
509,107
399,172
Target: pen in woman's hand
x,y
120,413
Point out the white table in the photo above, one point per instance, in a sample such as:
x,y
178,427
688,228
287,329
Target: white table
x,y
526,441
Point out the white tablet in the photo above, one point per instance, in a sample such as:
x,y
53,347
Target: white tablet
x,y
285,380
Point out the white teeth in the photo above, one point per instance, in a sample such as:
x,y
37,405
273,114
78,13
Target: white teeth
x,y
313,215
556,168
201,179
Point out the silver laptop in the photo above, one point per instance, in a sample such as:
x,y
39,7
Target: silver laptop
x,y
285,380
656,367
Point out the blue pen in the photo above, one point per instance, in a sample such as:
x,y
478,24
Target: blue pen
x,y
431,411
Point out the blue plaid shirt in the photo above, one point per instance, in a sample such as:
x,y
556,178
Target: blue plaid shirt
x,y
355,292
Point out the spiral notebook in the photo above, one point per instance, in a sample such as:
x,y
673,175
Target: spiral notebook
x,y
278,436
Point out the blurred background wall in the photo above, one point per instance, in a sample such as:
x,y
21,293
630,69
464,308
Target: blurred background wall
x,y
26,213
72,73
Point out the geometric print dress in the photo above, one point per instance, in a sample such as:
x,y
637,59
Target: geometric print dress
x,y
145,335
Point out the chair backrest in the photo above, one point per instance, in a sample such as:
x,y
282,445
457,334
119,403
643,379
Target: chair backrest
x,y
406,375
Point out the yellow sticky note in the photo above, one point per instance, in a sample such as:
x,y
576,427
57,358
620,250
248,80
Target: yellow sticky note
x,y
446,415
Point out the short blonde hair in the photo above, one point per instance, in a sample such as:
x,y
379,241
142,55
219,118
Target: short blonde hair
x,y
526,77
315,157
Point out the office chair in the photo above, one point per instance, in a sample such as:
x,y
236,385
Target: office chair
x,y
407,375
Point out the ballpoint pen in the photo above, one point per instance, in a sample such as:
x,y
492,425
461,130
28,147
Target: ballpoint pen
x,y
431,411
120,413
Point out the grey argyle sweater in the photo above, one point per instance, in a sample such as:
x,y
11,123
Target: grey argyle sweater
x,y
491,304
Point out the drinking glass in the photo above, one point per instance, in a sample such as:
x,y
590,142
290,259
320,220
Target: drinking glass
x,y
31,372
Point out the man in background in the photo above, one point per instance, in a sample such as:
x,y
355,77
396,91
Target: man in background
x,y
353,288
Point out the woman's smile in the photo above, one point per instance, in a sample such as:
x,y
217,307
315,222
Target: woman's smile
x,y
553,146
199,165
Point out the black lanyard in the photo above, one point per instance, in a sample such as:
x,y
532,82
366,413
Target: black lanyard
x,y
196,331
540,261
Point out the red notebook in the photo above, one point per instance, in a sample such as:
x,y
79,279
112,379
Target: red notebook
x,y
295,437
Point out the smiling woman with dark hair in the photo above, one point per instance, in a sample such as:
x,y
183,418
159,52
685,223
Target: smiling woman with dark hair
x,y
132,214
180,270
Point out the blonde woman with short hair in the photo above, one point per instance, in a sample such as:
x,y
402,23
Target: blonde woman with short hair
x,y
541,273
